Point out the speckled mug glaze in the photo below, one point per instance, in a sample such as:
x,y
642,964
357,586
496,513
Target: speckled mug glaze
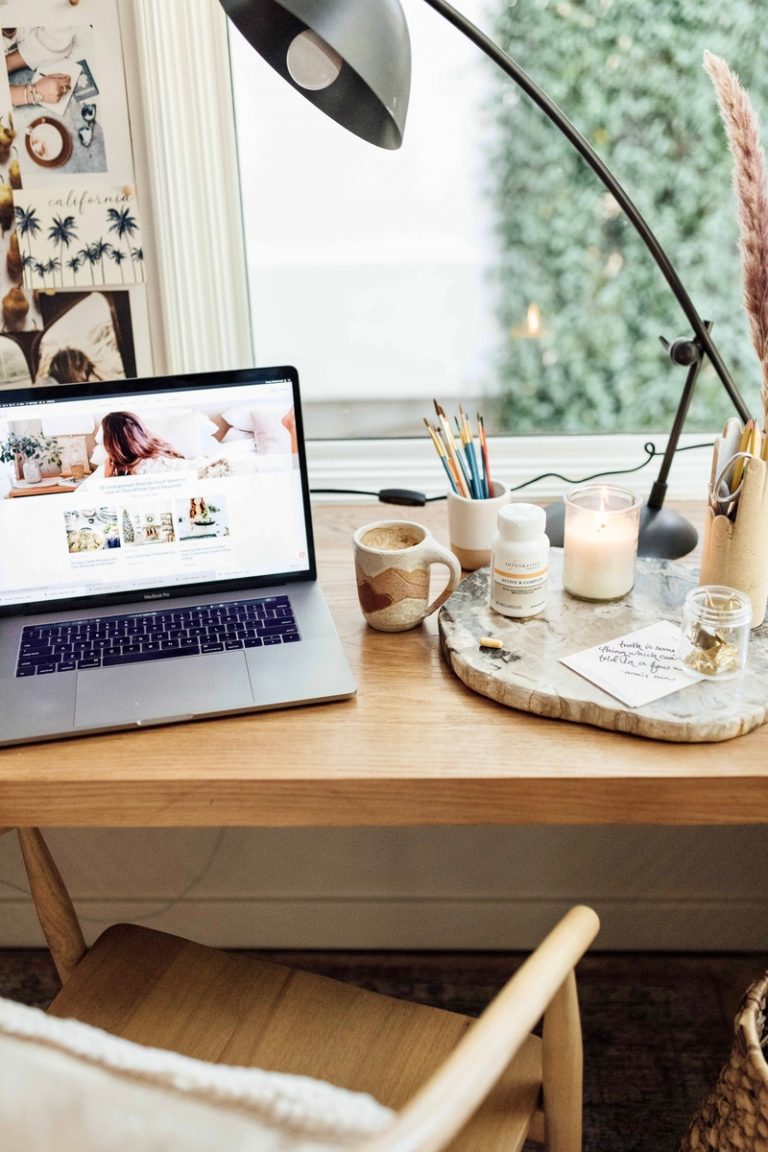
x,y
392,563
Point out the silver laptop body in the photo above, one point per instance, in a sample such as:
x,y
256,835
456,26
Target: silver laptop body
x,y
163,569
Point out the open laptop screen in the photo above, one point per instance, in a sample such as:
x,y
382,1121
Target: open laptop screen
x,y
151,488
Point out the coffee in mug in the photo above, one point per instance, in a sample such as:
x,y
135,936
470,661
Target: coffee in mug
x,y
391,537
393,559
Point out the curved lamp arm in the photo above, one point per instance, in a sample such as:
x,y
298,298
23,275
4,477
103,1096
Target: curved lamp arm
x,y
582,145
351,59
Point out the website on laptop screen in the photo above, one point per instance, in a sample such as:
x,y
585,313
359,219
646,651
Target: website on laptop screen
x,y
149,490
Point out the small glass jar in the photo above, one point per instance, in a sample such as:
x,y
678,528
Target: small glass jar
x,y
715,632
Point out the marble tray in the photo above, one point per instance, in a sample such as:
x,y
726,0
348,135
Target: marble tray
x,y
526,674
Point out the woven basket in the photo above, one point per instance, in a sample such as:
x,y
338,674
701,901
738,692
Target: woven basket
x,y
734,1117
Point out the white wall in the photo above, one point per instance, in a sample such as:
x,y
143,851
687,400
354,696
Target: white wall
x,y
451,888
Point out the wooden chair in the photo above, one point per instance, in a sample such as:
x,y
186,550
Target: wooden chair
x,y
474,1086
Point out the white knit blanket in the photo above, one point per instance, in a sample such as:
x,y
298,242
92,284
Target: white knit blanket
x,y
301,1104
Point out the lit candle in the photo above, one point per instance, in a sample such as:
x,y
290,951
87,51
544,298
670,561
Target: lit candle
x,y
600,542
532,328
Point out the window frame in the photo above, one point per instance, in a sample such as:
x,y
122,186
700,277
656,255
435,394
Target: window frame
x,y
197,238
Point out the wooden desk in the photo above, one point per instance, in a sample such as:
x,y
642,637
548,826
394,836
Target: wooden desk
x,y
414,747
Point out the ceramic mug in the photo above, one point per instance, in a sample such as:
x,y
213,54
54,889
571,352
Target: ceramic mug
x,y
472,524
392,565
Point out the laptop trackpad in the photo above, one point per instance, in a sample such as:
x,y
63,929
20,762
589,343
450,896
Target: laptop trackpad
x,y
164,689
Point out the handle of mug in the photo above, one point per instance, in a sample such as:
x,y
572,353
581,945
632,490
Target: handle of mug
x,y
440,555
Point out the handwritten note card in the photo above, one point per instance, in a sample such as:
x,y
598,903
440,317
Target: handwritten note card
x,y
637,668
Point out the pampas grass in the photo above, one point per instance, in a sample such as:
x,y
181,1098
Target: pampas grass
x,y
751,185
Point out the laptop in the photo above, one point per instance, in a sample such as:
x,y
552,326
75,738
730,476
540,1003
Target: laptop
x,y
157,562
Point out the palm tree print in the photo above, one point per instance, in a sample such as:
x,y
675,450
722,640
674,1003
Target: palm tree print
x,y
137,255
87,256
119,257
28,225
123,224
96,253
62,232
52,266
57,248
74,264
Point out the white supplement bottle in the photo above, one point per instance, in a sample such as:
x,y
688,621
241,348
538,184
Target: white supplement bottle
x,y
519,561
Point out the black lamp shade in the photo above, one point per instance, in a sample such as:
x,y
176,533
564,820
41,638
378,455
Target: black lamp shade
x,y
370,94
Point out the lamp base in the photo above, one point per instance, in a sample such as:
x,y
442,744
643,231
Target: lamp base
x,y
664,533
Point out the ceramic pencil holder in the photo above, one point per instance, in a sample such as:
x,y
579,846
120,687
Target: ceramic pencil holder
x,y
472,524
735,552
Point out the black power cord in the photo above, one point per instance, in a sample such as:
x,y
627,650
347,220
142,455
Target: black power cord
x,y
409,498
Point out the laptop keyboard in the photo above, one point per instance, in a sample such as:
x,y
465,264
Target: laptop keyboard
x,y
161,635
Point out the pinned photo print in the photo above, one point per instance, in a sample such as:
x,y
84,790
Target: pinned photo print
x,y
88,337
72,238
47,66
65,337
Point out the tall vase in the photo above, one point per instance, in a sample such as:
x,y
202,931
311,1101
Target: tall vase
x,y
735,552
31,469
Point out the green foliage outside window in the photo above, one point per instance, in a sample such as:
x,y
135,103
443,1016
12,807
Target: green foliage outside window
x,y
629,74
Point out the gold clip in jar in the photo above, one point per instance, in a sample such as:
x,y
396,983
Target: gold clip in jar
x,y
715,631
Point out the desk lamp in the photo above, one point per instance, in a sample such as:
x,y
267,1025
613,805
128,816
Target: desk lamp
x,y
352,59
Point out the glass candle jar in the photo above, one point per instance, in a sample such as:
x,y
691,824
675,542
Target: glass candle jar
x,y
600,542
715,631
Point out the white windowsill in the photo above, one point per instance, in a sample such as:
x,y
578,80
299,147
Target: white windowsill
x,y
374,464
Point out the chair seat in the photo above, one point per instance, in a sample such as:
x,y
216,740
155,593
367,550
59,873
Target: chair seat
x,y
232,1008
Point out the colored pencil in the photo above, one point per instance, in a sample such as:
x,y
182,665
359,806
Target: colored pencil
x,y
483,492
465,435
484,455
466,463
453,455
441,453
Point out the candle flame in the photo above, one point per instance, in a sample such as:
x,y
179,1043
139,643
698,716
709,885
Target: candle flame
x,y
531,328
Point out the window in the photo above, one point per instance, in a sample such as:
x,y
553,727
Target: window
x,y
368,267
484,262
198,236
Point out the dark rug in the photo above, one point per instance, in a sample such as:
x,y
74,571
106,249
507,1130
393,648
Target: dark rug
x,y
657,1028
